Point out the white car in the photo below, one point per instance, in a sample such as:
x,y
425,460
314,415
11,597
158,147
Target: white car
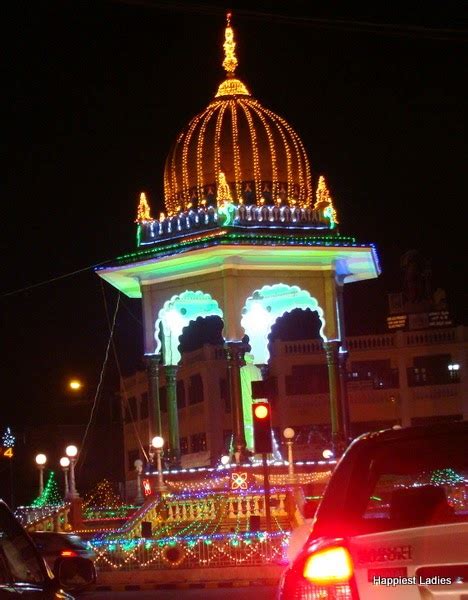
x,y
393,521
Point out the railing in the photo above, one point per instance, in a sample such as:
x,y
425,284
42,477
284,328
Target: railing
x,y
240,215
375,342
222,550
46,518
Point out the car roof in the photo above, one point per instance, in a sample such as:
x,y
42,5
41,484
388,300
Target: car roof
x,y
413,432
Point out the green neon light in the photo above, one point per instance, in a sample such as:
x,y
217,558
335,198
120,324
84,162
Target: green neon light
x,y
228,237
177,314
268,304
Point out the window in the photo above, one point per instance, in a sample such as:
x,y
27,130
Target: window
x,y
181,401
198,442
405,483
196,394
144,406
183,445
131,410
18,552
224,394
380,372
432,370
132,455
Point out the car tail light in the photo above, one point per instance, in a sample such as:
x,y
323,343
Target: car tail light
x,y
330,565
68,553
324,572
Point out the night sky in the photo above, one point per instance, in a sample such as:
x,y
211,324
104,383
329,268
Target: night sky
x,y
94,95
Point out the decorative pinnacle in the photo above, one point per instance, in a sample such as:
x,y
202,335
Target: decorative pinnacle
x,y
144,212
230,59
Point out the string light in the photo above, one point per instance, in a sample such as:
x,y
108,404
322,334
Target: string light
x,y
50,495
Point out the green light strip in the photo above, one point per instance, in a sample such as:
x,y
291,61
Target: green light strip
x,y
224,237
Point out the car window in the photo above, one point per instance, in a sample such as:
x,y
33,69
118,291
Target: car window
x,y
18,553
414,483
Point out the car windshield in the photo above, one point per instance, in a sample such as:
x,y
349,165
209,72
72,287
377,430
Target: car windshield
x,y
18,559
408,483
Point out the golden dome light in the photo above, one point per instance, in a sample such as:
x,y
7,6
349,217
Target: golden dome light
x,y
262,158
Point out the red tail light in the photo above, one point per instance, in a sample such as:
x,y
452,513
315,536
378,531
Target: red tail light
x,y
325,573
68,553
330,565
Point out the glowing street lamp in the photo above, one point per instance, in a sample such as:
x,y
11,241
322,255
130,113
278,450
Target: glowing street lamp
x,y
158,442
41,460
289,434
65,464
75,385
72,452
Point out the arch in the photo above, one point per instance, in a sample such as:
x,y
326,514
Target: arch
x,y
177,314
268,304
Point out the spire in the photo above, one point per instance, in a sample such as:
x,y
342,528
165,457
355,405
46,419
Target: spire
x,y
231,86
230,59
324,202
144,211
224,192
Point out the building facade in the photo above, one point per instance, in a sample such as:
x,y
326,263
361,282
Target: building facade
x,y
403,377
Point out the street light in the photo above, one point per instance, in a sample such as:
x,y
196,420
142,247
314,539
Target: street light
x,y
158,442
65,464
139,469
41,460
71,452
328,454
289,434
225,460
75,385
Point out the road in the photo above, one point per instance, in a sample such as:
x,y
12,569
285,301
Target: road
x,y
241,593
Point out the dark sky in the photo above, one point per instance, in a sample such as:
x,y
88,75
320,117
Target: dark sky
x,y
94,95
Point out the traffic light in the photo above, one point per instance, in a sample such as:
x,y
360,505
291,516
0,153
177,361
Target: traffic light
x,y
262,427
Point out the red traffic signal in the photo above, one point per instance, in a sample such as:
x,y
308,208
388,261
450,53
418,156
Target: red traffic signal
x,y
261,412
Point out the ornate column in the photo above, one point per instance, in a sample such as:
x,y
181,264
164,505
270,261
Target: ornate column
x,y
235,360
154,408
342,360
172,414
336,411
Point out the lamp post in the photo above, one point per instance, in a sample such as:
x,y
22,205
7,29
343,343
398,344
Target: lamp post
x,y
41,460
289,435
65,464
71,452
158,442
139,469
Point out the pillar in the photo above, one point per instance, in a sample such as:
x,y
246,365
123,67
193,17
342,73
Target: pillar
x,y
342,360
336,411
154,408
172,414
235,360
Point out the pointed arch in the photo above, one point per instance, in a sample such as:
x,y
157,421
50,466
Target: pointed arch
x,y
265,306
176,314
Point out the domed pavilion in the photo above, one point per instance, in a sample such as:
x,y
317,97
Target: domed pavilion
x,y
243,237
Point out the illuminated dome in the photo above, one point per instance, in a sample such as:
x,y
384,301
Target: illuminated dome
x,y
238,141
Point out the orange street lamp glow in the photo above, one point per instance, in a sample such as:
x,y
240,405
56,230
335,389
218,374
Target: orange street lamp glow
x,y
75,385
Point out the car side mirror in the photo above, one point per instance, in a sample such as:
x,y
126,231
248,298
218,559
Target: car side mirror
x,y
75,573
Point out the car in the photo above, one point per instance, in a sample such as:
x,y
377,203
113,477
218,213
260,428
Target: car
x,y
392,522
25,574
55,547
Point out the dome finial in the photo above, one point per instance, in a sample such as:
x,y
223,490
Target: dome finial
x,y
230,59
